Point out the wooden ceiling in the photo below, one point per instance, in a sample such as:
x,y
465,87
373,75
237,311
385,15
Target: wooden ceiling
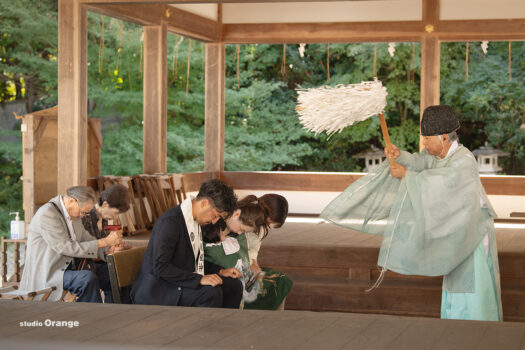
x,y
263,21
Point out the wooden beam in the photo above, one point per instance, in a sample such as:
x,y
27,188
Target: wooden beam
x,y
504,185
430,13
478,30
28,168
72,94
197,1
322,32
430,59
214,108
338,182
289,181
193,181
430,71
155,99
177,20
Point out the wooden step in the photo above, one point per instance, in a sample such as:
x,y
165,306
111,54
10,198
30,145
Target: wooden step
x,y
361,263
332,266
341,294
393,297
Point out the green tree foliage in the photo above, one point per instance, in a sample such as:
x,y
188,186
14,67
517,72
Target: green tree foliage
x,y
10,183
491,107
28,51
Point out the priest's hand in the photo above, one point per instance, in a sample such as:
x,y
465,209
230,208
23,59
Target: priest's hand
x,y
231,272
397,170
211,280
392,151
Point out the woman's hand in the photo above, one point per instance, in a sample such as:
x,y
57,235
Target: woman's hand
x,y
114,238
117,248
255,266
231,272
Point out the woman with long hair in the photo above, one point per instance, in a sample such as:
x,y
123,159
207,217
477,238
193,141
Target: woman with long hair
x,y
229,243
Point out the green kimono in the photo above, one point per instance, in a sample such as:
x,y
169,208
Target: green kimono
x,y
262,291
433,222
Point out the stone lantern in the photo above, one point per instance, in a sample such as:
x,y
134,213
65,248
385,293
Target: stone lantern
x,y
487,157
372,157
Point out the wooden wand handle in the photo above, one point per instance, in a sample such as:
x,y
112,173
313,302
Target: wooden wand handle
x,y
386,137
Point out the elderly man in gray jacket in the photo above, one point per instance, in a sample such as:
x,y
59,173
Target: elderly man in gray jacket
x,y
55,237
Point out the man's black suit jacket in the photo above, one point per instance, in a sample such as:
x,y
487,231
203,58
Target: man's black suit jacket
x,y
169,262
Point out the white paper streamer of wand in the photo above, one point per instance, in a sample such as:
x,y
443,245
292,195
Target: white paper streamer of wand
x,y
331,109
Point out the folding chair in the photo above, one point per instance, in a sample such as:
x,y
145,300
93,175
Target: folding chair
x,y
14,293
123,268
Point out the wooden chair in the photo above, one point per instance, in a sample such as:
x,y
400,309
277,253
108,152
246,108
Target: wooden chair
x,y
123,268
176,182
151,196
68,297
140,198
171,188
12,292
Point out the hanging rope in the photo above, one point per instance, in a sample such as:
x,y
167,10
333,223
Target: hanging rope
x,y
203,59
466,62
119,50
510,59
188,69
141,52
328,63
129,71
374,71
175,60
238,56
413,62
174,56
101,47
283,64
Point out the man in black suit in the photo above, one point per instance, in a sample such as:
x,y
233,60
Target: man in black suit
x,y
172,272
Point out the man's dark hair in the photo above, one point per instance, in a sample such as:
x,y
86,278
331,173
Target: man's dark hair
x,y
117,196
221,195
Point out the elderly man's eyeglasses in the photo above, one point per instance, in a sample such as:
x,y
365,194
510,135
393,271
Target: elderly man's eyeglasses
x,y
82,212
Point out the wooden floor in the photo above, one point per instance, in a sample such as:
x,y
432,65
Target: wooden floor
x,y
139,327
332,267
328,234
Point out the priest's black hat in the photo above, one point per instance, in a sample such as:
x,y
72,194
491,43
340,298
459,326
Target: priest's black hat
x,y
438,120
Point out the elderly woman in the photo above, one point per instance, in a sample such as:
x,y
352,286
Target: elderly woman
x,y
112,201
227,246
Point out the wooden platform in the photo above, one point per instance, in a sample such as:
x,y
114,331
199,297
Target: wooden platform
x,y
113,326
332,267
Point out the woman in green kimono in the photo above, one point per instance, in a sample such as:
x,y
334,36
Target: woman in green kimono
x,y
434,216
227,246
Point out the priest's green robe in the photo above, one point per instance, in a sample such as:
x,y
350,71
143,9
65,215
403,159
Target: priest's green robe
x,y
434,221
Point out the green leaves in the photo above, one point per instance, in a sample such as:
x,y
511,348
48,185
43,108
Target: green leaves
x,y
491,107
10,178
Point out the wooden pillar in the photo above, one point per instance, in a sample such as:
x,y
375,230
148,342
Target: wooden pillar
x,y
430,69
430,58
214,108
154,149
72,95
28,168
